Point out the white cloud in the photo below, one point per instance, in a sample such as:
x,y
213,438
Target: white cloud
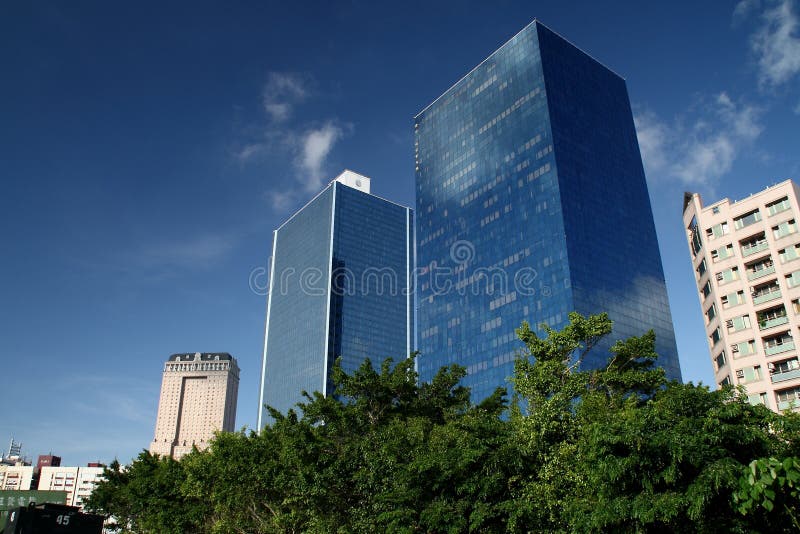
x,y
744,8
315,146
697,152
249,151
304,148
281,92
195,251
776,44
281,200
654,136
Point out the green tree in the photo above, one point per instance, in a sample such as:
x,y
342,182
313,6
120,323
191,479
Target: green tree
x,y
146,497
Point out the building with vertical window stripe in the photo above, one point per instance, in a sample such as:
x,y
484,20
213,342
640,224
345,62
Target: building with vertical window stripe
x,y
339,288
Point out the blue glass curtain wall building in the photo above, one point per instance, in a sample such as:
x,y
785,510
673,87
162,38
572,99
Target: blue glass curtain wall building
x,y
339,287
531,203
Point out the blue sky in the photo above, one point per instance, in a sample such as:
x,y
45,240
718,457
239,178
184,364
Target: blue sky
x,y
147,150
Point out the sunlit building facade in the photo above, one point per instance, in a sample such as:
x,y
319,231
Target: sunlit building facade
x,y
199,392
531,203
746,260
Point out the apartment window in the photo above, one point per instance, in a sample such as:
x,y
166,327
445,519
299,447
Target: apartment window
x,y
778,206
757,398
788,398
715,336
718,230
777,344
722,253
749,374
745,348
694,237
728,275
732,299
796,306
725,382
720,360
766,292
711,312
793,279
772,317
784,229
785,366
754,244
715,210
701,269
760,268
747,219
738,323
706,289
789,253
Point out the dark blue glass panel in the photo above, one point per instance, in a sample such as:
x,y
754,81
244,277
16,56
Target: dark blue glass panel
x,y
495,205
370,312
615,265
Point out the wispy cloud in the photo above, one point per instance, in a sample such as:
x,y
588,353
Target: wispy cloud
x,y
744,8
282,92
776,41
304,147
315,146
697,152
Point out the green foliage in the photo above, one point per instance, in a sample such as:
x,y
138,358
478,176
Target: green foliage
x,y
770,486
146,497
613,449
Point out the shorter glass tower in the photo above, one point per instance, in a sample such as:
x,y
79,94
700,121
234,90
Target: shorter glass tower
x,y
340,282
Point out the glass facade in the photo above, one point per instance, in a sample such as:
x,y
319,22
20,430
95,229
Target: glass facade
x,y
531,203
339,287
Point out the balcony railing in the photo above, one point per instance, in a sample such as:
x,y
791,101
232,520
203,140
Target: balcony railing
x,y
749,251
777,349
753,275
769,323
786,375
766,297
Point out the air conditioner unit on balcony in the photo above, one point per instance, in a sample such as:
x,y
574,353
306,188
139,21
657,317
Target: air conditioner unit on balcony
x,y
740,373
719,276
735,348
771,367
729,323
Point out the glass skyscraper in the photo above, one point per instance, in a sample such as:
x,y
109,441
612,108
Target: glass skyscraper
x,y
531,203
339,287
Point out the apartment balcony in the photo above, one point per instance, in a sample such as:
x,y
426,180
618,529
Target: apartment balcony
x,y
786,375
759,274
770,323
766,297
749,251
785,405
777,349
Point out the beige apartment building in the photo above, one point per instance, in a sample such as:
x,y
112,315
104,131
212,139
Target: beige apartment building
x,y
746,259
16,477
78,482
198,397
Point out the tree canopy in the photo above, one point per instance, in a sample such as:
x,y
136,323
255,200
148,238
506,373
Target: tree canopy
x,y
618,448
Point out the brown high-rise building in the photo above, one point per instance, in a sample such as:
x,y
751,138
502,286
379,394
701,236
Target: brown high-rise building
x,y
198,397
